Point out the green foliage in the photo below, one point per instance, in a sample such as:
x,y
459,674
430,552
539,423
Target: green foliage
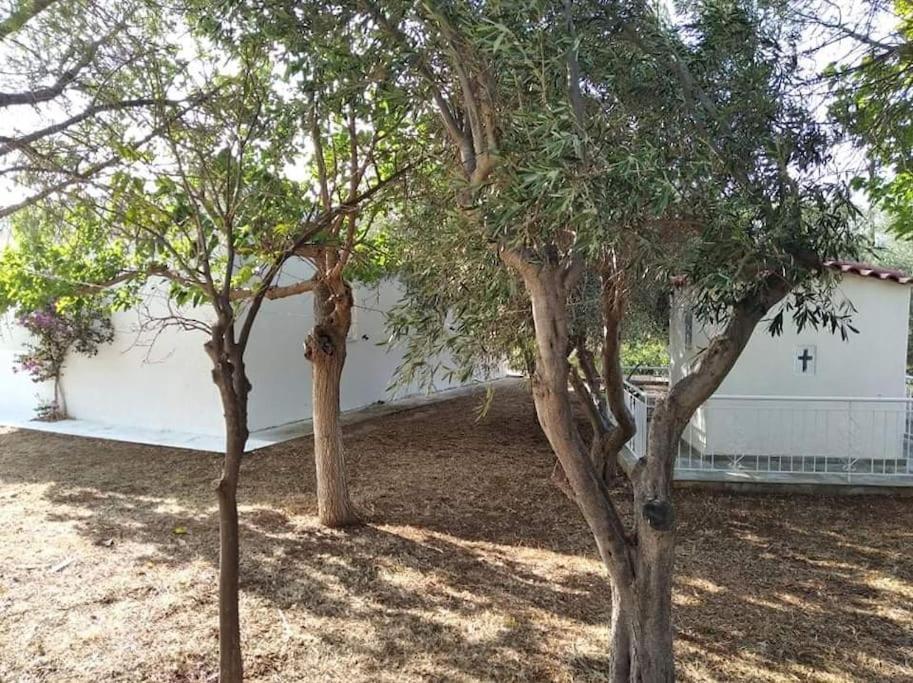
x,y
873,102
645,353
713,177
54,255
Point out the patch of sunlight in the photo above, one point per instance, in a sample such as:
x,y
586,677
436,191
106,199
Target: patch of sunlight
x,y
484,627
801,672
796,601
768,604
508,551
89,495
826,564
746,666
883,670
700,584
680,600
890,584
751,537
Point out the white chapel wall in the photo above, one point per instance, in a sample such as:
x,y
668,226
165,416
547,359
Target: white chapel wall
x,y
869,364
167,384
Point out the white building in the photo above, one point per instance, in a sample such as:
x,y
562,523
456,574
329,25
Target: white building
x,y
162,392
804,406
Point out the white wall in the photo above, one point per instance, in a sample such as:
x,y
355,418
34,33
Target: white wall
x,y
869,364
19,395
156,379
280,374
168,385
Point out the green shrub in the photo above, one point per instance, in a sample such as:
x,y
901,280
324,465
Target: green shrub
x,y
645,353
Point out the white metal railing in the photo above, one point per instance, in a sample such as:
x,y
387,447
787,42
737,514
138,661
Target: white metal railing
x,y
862,440
640,406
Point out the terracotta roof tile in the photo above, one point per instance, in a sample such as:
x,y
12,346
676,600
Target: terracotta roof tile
x,y
867,270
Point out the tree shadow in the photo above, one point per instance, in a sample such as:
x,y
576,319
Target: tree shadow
x,y
471,565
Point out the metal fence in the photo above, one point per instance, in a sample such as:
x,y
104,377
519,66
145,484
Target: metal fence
x,y
789,439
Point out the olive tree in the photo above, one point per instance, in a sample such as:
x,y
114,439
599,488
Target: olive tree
x,y
596,149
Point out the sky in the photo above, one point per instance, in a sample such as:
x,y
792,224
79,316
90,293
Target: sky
x,y
819,49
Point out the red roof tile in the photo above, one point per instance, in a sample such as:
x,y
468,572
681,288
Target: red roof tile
x,y
866,270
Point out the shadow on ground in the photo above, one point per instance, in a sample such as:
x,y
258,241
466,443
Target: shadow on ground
x,y
470,567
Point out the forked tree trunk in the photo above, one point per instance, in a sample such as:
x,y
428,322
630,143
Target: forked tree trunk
x,y
650,655
326,349
639,571
640,566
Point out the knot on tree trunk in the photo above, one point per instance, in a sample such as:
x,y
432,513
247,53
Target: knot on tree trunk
x,y
659,514
319,341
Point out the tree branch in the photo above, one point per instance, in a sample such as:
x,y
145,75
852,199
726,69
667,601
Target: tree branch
x,y
21,16
276,291
47,93
11,144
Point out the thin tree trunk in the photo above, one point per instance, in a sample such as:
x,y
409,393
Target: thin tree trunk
x,y
60,407
619,639
230,376
230,662
326,349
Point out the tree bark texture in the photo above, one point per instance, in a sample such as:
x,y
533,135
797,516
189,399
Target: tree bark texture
x,y
640,564
230,376
325,348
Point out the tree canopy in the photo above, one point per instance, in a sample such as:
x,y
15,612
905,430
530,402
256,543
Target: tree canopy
x,y
553,162
872,99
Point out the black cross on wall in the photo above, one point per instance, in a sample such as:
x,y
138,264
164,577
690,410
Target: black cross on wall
x,y
806,358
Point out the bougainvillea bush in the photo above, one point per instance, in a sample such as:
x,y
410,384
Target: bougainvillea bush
x,y
54,334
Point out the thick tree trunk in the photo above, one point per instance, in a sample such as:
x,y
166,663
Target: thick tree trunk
x,y
640,636
326,349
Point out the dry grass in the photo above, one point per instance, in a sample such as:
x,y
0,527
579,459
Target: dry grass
x,y
471,567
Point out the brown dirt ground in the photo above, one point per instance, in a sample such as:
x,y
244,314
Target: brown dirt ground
x,y
471,566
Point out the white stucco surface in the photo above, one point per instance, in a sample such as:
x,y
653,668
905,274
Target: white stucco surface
x,y
160,381
869,365
18,394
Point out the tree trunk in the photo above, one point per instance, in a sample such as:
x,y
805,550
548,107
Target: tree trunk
x,y
640,570
651,657
620,650
60,407
326,349
641,629
230,376
230,663
547,287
